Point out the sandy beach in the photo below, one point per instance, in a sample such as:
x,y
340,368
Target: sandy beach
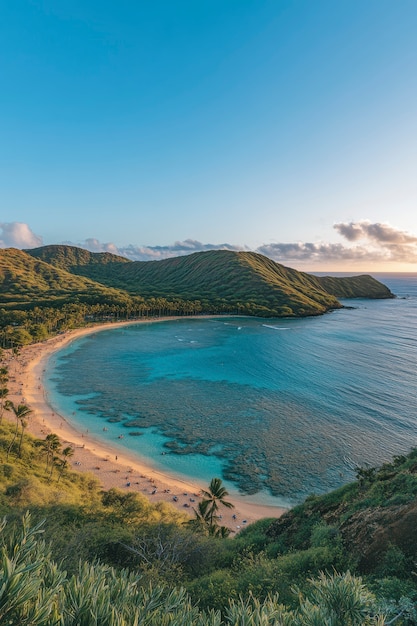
x,y
112,467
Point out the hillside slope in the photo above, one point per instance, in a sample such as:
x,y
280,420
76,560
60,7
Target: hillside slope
x,y
232,276
374,516
363,286
70,257
246,281
25,279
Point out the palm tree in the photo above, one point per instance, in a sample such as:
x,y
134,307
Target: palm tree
x,y
221,531
66,453
23,424
50,445
53,445
201,522
4,392
206,513
215,495
4,375
21,412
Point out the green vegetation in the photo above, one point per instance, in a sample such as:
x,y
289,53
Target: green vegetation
x,y
36,591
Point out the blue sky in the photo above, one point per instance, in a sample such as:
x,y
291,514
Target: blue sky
x,y
153,128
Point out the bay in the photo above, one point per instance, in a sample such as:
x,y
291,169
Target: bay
x,y
279,408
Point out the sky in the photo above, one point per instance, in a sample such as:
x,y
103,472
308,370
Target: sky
x,y
159,128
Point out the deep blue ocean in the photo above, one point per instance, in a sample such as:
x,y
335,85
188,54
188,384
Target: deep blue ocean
x,y
279,408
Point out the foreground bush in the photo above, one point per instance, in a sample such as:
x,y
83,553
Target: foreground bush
x,y
34,591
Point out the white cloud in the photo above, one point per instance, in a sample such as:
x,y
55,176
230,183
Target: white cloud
x,y
287,253
384,242
94,245
379,233
153,253
179,248
18,235
380,243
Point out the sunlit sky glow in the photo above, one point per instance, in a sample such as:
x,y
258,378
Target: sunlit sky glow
x,y
153,129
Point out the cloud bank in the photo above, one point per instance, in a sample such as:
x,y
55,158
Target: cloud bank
x,y
368,244
154,253
378,243
380,233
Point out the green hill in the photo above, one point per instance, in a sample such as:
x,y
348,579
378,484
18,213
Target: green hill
x,y
363,286
244,281
25,279
70,258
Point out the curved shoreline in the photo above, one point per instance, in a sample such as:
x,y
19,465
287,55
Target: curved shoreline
x,y
112,467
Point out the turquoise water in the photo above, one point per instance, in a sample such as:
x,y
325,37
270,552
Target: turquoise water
x,y
279,408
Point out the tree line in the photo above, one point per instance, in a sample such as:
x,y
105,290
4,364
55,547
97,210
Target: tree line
x,y
22,323
20,326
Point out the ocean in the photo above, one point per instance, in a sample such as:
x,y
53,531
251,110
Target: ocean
x,y
278,408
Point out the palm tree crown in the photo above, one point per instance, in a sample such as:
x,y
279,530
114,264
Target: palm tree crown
x,y
214,497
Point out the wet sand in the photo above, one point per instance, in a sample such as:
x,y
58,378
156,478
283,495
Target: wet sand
x,y
112,467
